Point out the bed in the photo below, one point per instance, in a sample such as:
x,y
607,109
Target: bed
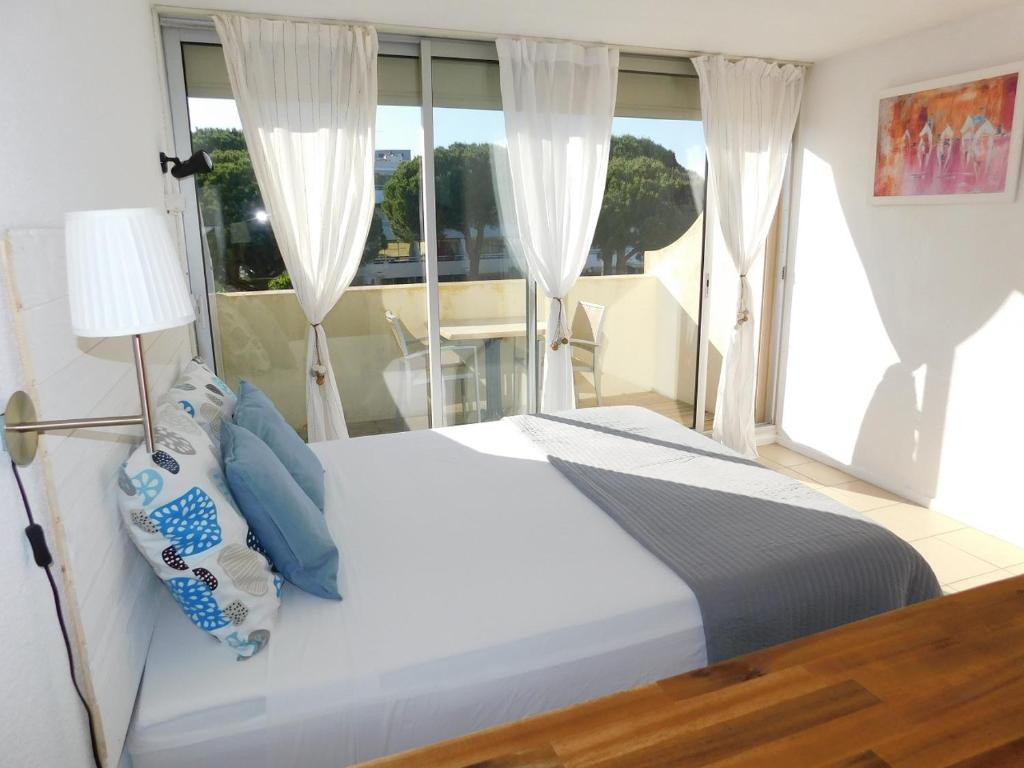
x,y
481,585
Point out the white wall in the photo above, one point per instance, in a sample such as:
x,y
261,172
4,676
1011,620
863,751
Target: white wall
x,y
906,322
81,127
42,722
82,123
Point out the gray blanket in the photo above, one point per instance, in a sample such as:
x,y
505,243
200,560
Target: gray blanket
x,y
768,559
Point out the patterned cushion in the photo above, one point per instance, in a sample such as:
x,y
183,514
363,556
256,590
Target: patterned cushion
x,y
204,397
178,511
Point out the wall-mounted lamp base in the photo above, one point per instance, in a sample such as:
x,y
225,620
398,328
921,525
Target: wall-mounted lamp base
x,y
21,446
21,428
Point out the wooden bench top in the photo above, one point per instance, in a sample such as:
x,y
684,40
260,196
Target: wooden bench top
x,y
936,685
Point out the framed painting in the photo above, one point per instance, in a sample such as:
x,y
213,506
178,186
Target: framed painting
x,y
952,140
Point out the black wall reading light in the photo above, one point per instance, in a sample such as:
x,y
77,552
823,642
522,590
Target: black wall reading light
x,y
200,162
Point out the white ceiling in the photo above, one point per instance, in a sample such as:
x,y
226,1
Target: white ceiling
x,y
805,30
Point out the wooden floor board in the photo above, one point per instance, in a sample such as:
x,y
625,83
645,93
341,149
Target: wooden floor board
x,y
937,685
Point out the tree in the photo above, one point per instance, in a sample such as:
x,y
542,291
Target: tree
x,y
229,195
402,201
649,201
464,197
213,139
376,241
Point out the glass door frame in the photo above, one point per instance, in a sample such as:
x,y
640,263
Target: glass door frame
x,y
199,264
176,31
431,48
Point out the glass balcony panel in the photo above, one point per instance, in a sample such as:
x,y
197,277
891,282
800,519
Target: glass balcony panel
x,y
642,280
482,288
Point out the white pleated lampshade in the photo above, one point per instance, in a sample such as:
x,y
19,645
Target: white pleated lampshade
x,y
124,276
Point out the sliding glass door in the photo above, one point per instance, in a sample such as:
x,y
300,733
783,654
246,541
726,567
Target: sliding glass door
x,y
439,326
376,331
482,280
640,294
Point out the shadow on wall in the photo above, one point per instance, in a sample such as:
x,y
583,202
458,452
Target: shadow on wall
x,y
930,295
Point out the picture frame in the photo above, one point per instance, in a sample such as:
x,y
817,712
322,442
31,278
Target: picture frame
x,y
953,139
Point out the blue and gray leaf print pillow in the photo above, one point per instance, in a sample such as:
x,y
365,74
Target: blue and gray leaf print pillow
x,y
177,510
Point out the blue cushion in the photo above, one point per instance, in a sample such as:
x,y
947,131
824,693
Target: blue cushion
x,y
288,524
255,411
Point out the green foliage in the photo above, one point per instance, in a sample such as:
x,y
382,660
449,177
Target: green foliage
x,y
649,201
402,201
464,197
229,195
280,283
214,139
376,240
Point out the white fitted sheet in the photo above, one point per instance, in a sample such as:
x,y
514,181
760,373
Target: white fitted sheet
x,y
479,587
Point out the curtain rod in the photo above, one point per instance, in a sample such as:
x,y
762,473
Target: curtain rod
x,y
200,18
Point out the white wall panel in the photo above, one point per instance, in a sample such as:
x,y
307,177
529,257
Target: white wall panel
x,y
113,595
904,359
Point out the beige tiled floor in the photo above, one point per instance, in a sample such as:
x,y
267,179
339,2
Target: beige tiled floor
x,y
962,557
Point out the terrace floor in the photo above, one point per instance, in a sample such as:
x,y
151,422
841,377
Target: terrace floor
x,y
666,406
962,557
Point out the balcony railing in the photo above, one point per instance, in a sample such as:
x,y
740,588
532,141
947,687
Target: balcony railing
x,y
648,347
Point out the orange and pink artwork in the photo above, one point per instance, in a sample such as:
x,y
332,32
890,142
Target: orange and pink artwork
x,y
949,140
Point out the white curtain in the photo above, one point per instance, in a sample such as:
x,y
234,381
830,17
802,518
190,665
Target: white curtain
x,y
307,96
749,109
501,176
558,99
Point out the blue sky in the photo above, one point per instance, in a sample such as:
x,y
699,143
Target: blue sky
x,y
399,128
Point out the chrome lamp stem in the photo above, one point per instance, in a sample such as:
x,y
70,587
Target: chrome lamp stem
x,y
140,375
21,428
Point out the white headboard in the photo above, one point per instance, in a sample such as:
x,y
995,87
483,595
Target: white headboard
x,y
112,593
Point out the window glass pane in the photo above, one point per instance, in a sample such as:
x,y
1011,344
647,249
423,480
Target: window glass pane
x,y
639,296
482,288
259,328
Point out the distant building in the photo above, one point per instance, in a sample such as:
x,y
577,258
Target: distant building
x,y
385,161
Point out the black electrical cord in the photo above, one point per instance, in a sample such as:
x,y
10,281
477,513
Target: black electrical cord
x,y
41,553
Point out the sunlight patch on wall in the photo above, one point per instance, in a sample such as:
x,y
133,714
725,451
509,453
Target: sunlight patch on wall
x,y
838,348
982,455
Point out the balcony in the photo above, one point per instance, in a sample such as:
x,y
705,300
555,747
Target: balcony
x,y
648,351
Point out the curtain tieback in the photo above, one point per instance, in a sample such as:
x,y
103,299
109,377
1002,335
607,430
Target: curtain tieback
x,y
560,335
319,370
744,314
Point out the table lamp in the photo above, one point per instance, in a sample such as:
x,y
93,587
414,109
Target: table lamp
x,y
124,279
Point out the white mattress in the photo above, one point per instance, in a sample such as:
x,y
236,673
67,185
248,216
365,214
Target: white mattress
x,y
479,587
